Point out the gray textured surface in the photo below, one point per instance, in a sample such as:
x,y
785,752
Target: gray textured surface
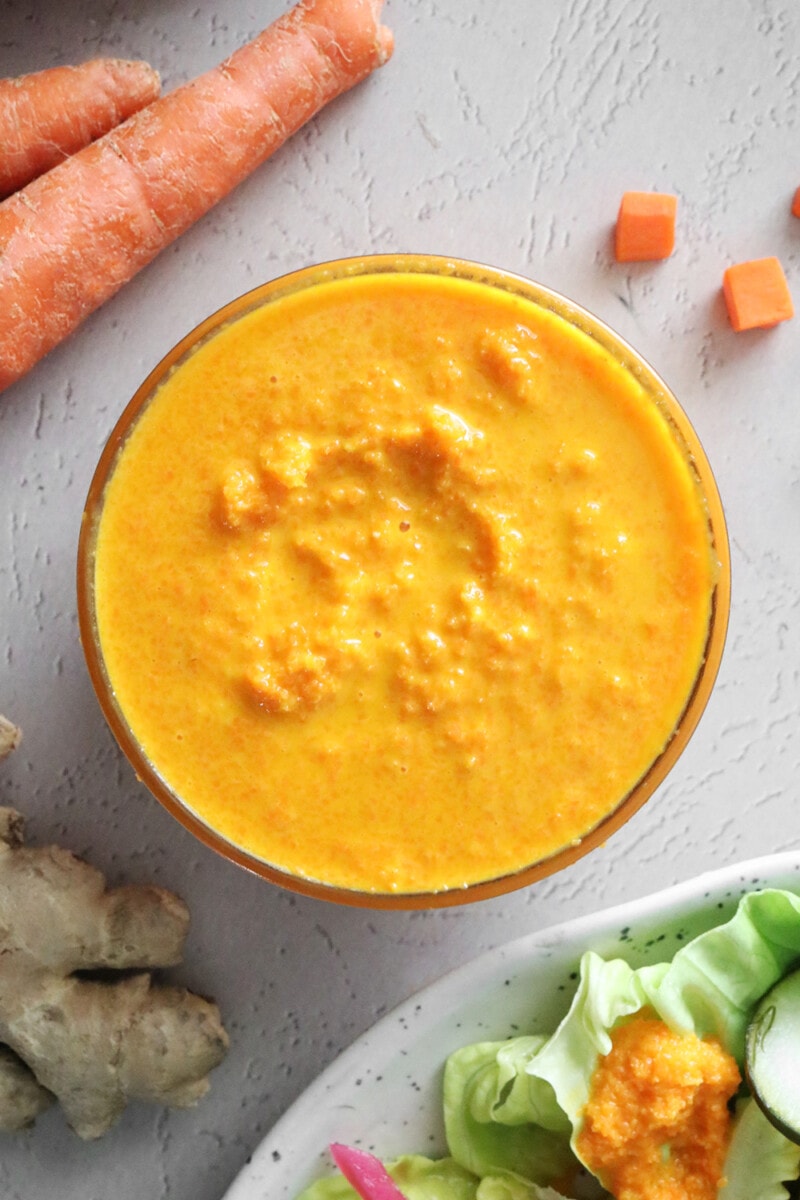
x,y
506,131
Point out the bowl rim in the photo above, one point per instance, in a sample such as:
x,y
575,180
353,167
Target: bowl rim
x,y
550,300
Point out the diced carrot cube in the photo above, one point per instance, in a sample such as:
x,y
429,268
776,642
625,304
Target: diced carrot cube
x,y
645,226
757,294
796,204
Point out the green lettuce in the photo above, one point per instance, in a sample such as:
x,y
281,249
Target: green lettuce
x,y
501,1118
709,988
422,1178
759,1158
508,1187
418,1178
513,1108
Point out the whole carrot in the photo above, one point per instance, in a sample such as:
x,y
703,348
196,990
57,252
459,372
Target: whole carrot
x,y
48,115
74,236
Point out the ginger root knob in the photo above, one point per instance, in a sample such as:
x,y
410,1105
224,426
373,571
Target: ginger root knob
x,y
10,737
70,1029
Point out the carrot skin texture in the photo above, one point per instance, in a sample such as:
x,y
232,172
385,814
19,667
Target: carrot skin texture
x,y
796,203
50,114
73,237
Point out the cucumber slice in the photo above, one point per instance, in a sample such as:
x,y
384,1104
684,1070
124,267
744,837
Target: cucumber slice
x,y
772,1055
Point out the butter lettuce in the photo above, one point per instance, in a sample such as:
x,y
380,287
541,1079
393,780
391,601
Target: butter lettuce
x,y
513,1108
422,1178
497,1122
759,1159
419,1178
499,1118
715,981
510,1188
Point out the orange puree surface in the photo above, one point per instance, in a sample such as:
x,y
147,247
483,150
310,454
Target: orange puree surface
x,y
402,582
657,1125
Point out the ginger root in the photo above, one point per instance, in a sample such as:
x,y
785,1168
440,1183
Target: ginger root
x,y
10,737
74,1030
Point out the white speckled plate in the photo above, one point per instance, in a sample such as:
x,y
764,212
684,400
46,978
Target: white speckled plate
x,y
383,1093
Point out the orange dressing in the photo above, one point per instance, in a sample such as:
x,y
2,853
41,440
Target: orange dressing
x,y
657,1125
402,582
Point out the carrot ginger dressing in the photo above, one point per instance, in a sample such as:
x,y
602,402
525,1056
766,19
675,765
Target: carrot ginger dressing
x,y
657,1125
402,582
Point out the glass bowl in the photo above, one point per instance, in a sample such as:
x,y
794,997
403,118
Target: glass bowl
x,y
665,408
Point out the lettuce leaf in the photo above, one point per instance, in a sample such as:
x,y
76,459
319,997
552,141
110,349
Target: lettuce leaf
x,y
715,981
760,1159
418,1178
511,1188
607,991
498,1118
710,988
422,1178
513,1109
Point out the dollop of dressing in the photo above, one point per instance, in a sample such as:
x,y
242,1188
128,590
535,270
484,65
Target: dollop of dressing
x,y
657,1125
